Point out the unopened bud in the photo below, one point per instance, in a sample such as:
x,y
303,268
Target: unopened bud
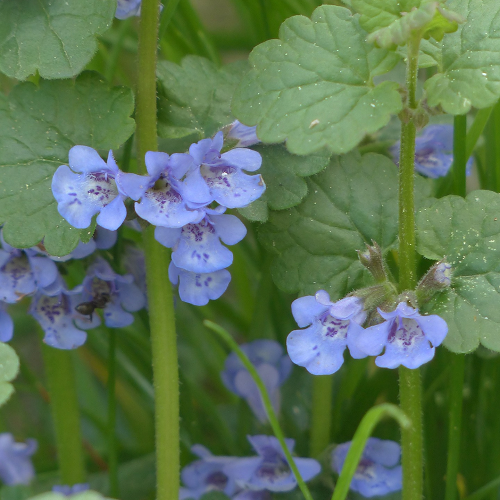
x,y
373,260
437,278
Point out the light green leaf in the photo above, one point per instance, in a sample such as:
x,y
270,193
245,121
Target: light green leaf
x,y
38,126
350,203
313,86
430,19
283,173
9,368
467,233
470,73
57,38
196,96
86,495
376,14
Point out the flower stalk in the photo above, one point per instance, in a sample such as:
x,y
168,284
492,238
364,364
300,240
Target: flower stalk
x,y
161,310
409,380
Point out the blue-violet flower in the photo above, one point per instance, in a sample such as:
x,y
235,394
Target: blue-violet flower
x,y
15,461
197,246
246,136
160,192
6,324
22,272
54,309
199,288
378,472
334,326
88,188
213,176
270,470
433,151
409,338
128,8
205,474
118,294
273,366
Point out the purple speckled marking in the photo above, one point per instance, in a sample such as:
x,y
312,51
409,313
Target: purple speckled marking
x,y
273,467
405,332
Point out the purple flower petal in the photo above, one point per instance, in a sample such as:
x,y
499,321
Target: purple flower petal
x,y
6,325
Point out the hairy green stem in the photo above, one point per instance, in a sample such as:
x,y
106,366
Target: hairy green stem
x,y
459,154
321,423
454,424
60,375
160,300
112,448
410,388
273,419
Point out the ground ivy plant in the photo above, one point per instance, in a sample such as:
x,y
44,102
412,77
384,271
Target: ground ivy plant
x,y
331,198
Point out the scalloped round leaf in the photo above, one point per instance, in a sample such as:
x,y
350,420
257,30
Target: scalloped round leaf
x,y
38,126
313,87
350,203
469,74
9,368
57,38
466,232
195,97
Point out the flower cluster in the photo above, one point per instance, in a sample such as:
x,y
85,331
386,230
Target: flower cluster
x,y
409,339
378,472
184,195
271,364
433,151
249,477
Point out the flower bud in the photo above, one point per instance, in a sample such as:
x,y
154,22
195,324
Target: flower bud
x,y
437,278
373,260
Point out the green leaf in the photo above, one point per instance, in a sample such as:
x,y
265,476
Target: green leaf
x,y
283,173
313,86
86,495
376,14
38,126
470,60
57,38
429,18
9,368
196,96
467,233
352,202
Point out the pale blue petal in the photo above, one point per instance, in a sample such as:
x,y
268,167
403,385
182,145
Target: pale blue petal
x,y
131,297
229,228
156,163
434,327
246,159
113,214
6,325
86,160
167,236
383,451
372,340
133,185
306,309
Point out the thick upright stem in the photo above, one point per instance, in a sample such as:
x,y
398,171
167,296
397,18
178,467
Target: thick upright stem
x,y
161,309
459,155
321,413
410,388
64,406
112,449
454,424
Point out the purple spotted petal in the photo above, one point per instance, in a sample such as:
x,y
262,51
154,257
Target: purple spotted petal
x,y
306,309
232,188
199,288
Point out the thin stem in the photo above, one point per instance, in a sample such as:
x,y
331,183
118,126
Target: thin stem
x,y
410,388
273,419
459,154
363,432
112,448
64,406
491,487
496,118
160,300
454,424
321,423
